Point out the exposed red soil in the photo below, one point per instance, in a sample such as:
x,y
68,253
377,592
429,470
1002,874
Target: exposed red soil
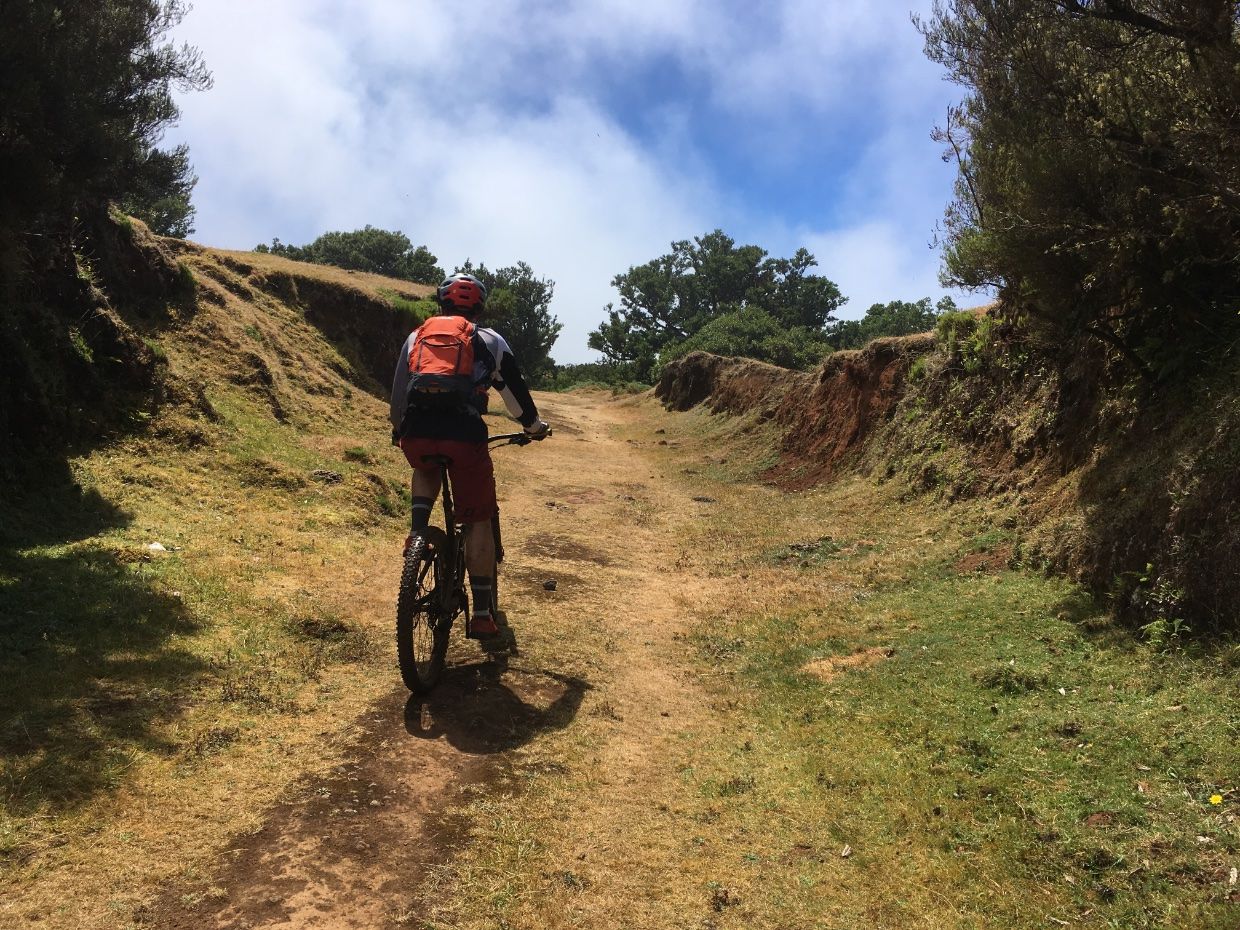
x,y
823,415
995,560
1128,487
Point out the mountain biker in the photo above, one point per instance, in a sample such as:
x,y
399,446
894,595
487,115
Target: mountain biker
x,y
438,411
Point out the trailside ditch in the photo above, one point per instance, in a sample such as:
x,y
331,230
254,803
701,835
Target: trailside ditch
x,y
1125,486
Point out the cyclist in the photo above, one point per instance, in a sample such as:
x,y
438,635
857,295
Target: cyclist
x,y
439,394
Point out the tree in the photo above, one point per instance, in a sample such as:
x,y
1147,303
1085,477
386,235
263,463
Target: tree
x,y
518,307
379,251
669,299
897,318
755,333
87,97
1099,179
160,192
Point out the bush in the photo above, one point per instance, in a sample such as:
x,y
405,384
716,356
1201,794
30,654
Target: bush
x,y
897,318
755,334
589,374
675,296
378,251
1098,170
87,97
967,338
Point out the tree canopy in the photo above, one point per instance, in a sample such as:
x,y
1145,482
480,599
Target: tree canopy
x,y
897,318
1099,176
755,333
87,97
671,298
518,308
379,251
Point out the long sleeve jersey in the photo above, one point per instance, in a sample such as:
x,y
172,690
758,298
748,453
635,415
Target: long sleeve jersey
x,y
494,364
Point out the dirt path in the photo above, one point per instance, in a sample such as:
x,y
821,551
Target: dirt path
x,y
588,509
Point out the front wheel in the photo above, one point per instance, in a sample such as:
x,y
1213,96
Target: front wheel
x,y
421,623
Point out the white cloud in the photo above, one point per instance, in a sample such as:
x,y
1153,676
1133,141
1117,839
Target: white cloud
x,y
480,129
872,263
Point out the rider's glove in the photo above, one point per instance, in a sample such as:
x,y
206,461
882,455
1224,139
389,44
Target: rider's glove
x,y
537,430
395,438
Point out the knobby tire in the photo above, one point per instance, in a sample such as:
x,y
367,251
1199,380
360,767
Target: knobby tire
x,y
421,627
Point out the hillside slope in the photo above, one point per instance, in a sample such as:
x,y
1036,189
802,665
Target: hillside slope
x,y
731,706
1126,486
189,609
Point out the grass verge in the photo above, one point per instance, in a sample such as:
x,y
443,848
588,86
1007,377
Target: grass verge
x,y
900,732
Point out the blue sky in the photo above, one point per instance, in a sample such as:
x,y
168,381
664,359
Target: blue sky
x,y
582,137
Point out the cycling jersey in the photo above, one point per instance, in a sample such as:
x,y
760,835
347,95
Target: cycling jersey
x,y
494,366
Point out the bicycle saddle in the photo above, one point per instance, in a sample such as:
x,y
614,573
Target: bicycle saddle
x,y
443,460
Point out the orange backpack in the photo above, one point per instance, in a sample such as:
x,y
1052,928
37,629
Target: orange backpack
x,y
441,361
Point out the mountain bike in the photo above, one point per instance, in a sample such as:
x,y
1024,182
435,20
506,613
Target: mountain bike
x,y
432,586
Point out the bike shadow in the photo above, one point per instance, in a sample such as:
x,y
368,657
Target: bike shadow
x,y
490,706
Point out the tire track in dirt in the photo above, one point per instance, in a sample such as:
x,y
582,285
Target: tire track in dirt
x,y
351,850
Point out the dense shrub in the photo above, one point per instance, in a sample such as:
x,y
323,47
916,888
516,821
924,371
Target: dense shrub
x,y
379,251
755,334
671,298
87,95
1098,169
897,318
590,374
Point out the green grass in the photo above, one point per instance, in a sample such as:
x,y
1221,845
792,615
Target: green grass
x,y
416,312
1017,753
159,674
1019,760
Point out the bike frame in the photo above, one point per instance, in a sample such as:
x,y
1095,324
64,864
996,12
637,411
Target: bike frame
x,y
454,531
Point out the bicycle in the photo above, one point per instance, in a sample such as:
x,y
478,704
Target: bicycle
x,y
432,586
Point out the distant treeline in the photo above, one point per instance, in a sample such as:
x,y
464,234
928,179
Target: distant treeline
x,y
711,294
379,251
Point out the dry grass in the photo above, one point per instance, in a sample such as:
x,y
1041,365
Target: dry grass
x,y
913,792
165,699
370,284
829,668
700,777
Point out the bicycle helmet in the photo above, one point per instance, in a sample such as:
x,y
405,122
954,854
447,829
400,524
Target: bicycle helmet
x,y
462,291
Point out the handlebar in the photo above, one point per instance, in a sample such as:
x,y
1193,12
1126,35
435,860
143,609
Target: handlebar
x,y
517,439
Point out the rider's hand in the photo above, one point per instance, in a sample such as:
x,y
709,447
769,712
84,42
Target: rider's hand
x,y
537,430
395,438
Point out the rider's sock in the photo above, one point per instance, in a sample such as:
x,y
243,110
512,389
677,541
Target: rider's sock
x,y
422,513
480,588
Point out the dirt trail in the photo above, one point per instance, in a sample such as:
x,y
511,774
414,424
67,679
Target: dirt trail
x,y
586,508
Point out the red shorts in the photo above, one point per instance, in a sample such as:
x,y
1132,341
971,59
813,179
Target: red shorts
x,y
471,473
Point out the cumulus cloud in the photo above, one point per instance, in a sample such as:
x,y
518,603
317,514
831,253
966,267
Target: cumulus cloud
x,y
491,130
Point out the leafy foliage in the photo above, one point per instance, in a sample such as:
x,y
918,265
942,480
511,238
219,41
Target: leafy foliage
x,y
669,299
967,339
1098,170
897,318
378,251
518,307
754,333
587,374
160,192
87,97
